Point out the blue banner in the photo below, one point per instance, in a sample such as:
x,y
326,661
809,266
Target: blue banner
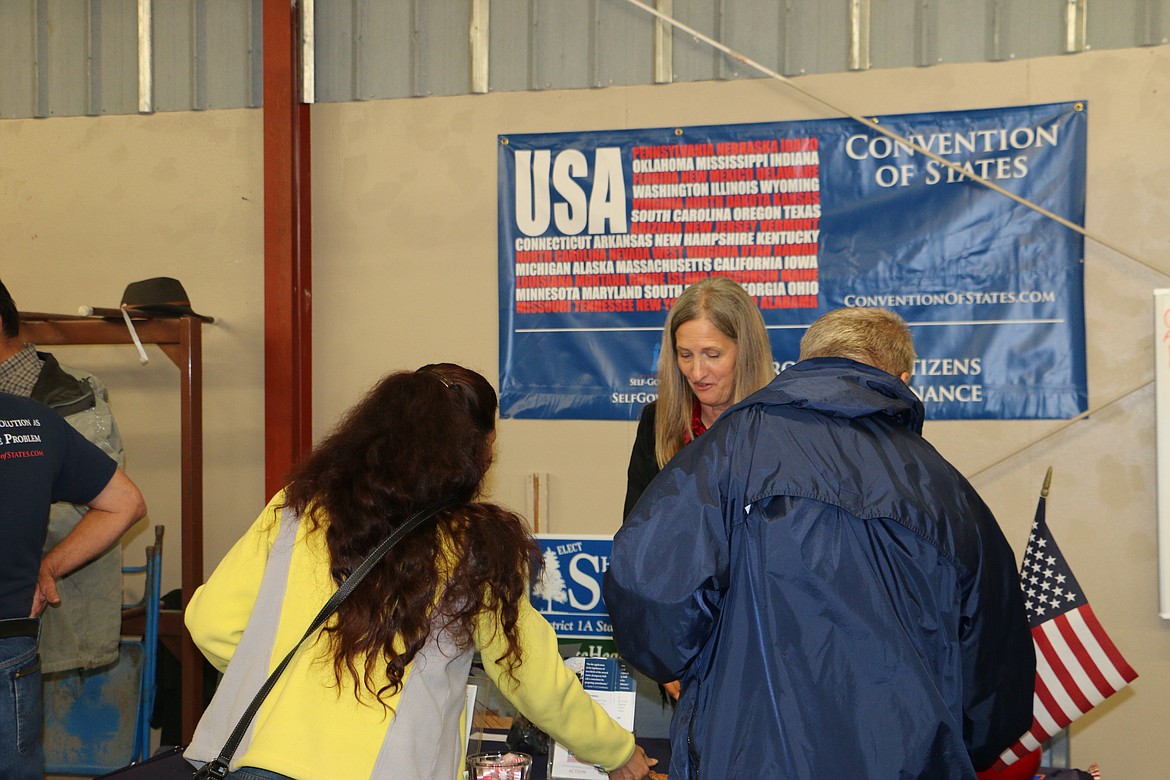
x,y
599,232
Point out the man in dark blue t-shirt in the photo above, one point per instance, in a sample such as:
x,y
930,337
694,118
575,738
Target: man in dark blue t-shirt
x,y
42,460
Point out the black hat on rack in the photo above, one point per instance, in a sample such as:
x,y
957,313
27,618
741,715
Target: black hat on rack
x,y
160,295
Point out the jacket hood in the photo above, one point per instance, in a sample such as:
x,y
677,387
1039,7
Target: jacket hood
x,y
840,387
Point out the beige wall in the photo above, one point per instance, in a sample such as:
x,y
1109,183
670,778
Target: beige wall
x,y
88,206
405,273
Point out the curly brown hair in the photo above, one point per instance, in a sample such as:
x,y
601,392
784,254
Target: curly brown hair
x,y
417,441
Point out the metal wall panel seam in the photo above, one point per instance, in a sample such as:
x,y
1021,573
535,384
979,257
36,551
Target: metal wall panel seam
x,y
419,74
994,52
783,38
358,22
93,57
533,44
199,56
1151,24
719,32
926,22
145,57
595,35
256,55
40,59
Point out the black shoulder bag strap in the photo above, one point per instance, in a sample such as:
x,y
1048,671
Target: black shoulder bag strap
x,y
218,768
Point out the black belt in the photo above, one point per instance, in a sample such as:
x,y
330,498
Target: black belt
x,y
18,627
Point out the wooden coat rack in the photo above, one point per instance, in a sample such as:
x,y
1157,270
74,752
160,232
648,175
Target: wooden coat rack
x,y
180,339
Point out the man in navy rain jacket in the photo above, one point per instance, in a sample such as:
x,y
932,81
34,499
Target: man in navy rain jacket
x,y
835,597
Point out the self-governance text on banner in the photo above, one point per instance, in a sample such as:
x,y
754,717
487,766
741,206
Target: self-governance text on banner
x,y
600,231
1077,664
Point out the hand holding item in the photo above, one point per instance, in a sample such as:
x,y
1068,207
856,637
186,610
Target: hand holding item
x,y
673,688
637,768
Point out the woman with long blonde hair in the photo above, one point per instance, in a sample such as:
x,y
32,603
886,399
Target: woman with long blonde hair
x,y
715,352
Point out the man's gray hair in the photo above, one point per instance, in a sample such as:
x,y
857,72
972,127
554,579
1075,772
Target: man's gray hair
x,y
877,337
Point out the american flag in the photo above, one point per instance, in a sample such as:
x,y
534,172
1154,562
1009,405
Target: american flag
x,y
1077,665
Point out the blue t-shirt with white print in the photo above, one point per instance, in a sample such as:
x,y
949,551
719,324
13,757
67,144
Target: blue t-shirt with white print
x,y
42,460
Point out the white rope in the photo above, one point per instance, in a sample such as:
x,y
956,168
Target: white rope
x,y
1062,427
142,358
872,123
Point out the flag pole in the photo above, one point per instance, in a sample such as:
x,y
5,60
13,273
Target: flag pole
x,y
1060,743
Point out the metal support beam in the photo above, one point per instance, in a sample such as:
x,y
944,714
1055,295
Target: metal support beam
x,y
146,56
859,35
1075,25
308,51
287,250
664,45
480,46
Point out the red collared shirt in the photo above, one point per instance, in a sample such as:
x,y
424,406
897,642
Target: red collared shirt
x,y
697,426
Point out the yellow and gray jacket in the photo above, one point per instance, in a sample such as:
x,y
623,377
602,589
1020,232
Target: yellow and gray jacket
x,y
258,603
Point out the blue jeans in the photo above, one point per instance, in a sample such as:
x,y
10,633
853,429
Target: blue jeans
x,y
252,773
22,756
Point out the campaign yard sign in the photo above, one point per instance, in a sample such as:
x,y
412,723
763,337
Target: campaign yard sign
x,y
599,232
568,592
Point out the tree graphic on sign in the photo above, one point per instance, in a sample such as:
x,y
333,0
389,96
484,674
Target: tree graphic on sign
x,y
552,585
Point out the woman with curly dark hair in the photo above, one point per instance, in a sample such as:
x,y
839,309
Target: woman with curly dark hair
x,y
380,691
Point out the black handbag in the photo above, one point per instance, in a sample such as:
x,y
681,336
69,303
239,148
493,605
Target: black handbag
x,y
165,766
172,766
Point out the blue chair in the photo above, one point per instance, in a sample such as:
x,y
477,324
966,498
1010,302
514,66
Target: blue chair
x,y
98,720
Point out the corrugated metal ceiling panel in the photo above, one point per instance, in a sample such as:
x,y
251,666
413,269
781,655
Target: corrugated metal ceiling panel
x,y
65,57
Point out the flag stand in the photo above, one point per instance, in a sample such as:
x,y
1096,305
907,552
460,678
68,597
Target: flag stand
x,y
1057,751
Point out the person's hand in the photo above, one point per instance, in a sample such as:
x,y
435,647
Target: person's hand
x,y
637,768
45,592
673,688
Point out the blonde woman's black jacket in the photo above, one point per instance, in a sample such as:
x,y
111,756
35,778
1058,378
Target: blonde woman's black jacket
x,y
643,466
